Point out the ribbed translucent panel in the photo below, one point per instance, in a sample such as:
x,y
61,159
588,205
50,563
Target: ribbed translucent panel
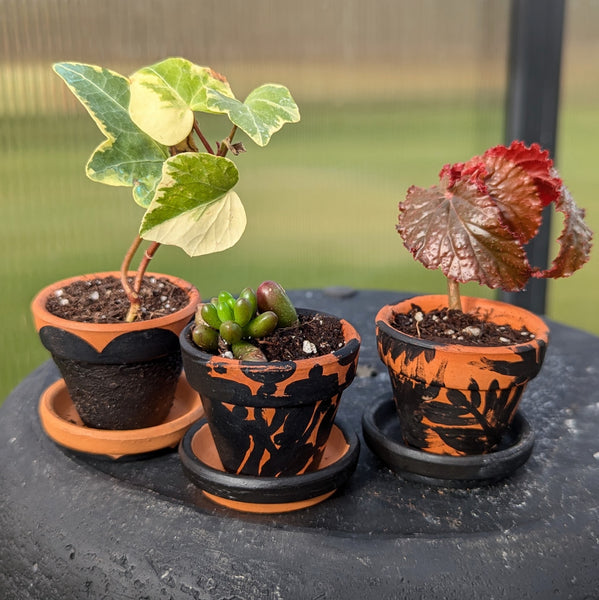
x,y
389,91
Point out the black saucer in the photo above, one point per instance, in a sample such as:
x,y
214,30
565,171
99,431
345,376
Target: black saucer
x,y
267,494
382,432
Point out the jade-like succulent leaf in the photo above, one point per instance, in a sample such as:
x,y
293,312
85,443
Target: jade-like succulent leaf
x,y
128,157
462,232
575,240
262,114
194,206
164,97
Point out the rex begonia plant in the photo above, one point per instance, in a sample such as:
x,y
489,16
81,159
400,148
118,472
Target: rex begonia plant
x,y
152,129
476,223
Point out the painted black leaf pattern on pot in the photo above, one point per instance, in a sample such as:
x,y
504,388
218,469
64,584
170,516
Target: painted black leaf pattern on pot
x,y
456,422
449,414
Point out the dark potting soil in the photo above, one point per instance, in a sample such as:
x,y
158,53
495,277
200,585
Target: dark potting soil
x,y
104,300
315,335
454,326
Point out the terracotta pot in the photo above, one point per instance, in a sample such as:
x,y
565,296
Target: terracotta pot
x,y
271,418
454,399
62,423
118,375
247,493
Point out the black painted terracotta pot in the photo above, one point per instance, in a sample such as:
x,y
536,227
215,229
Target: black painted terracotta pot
x,y
271,418
118,375
455,399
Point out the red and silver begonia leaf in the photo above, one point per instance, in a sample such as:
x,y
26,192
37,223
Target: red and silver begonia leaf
x,y
474,226
535,162
516,196
575,240
461,232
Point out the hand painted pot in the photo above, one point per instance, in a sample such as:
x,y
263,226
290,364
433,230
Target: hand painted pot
x,y
454,399
271,418
118,375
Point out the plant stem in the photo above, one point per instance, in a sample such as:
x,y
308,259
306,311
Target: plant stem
x,y
132,295
143,265
204,141
453,295
224,147
132,291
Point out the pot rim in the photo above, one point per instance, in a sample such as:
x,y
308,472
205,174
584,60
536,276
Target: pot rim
x,y
99,335
349,334
43,317
534,323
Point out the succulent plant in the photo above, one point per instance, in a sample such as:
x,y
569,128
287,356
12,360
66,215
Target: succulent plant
x,y
476,223
231,323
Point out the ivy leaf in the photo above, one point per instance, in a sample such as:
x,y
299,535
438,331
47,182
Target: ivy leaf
x,y
128,157
263,113
461,231
164,97
575,240
194,206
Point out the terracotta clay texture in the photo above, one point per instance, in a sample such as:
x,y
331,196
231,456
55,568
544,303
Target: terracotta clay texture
x,y
271,418
62,423
452,399
118,375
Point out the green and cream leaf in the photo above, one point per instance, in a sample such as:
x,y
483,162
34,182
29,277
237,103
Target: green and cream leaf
x,y
164,97
128,157
195,207
262,114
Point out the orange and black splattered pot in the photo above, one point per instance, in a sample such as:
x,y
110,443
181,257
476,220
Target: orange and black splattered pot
x,y
455,399
271,418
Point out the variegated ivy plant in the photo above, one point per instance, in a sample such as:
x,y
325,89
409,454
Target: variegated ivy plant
x,y
476,223
153,131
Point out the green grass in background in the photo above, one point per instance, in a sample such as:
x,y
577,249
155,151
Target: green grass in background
x,y
321,201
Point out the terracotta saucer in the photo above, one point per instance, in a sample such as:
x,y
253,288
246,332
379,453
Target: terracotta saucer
x,y
63,425
247,493
382,433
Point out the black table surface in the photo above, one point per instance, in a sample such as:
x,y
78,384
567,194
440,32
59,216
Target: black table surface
x,y
74,526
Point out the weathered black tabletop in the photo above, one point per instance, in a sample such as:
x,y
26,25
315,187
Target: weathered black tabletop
x,y
79,527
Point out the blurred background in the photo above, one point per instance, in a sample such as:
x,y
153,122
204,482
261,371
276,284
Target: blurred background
x,y
389,91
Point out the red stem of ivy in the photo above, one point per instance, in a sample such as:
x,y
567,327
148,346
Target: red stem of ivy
x,y
204,141
132,295
132,291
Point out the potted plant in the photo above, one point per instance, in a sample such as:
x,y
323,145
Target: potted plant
x,y
270,377
455,387
121,365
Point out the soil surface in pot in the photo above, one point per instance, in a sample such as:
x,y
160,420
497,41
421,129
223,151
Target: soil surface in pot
x,y
315,335
104,301
454,326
